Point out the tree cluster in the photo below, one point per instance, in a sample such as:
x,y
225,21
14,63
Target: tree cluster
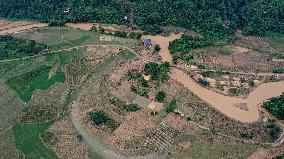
x,y
211,17
276,106
157,72
11,47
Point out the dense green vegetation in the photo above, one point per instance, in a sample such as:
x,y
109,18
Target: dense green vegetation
x,y
157,72
280,70
276,40
171,106
27,138
160,96
274,130
213,18
131,107
276,106
25,84
11,47
100,117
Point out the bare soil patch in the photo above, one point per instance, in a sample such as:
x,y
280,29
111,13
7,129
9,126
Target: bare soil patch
x,y
23,28
82,26
240,50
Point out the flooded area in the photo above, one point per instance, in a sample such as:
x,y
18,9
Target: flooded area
x,y
226,104
163,41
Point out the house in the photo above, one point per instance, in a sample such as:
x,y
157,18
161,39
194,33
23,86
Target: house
x,y
226,23
66,9
147,42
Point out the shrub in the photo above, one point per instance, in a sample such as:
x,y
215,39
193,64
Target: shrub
x,y
280,70
172,106
143,82
189,118
139,90
98,117
131,107
236,90
157,48
251,83
56,23
94,28
135,35
134,74
203,82
101,30
274,131
152,69
160,96
208,73
121,34
246,135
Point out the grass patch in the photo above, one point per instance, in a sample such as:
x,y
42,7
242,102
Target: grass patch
x,y
25,84
204,146
58,37
276,40
80,40
27,139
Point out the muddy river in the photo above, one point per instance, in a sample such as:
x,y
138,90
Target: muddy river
x,y
225,104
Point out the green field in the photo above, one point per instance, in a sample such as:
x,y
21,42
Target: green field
x,y
25,84
27,138
204,146
57,38
276,40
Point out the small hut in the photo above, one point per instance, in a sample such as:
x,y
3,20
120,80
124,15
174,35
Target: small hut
x,y
147,43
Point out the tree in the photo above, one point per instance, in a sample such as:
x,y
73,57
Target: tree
x,y
276,106
131,107
172,106
152,69
157,48
164,71
98,117
274,130
160,96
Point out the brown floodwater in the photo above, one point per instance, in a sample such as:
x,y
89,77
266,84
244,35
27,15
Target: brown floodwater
x,y
163,41
226,104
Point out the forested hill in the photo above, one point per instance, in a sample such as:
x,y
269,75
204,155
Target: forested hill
x,y
208,16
